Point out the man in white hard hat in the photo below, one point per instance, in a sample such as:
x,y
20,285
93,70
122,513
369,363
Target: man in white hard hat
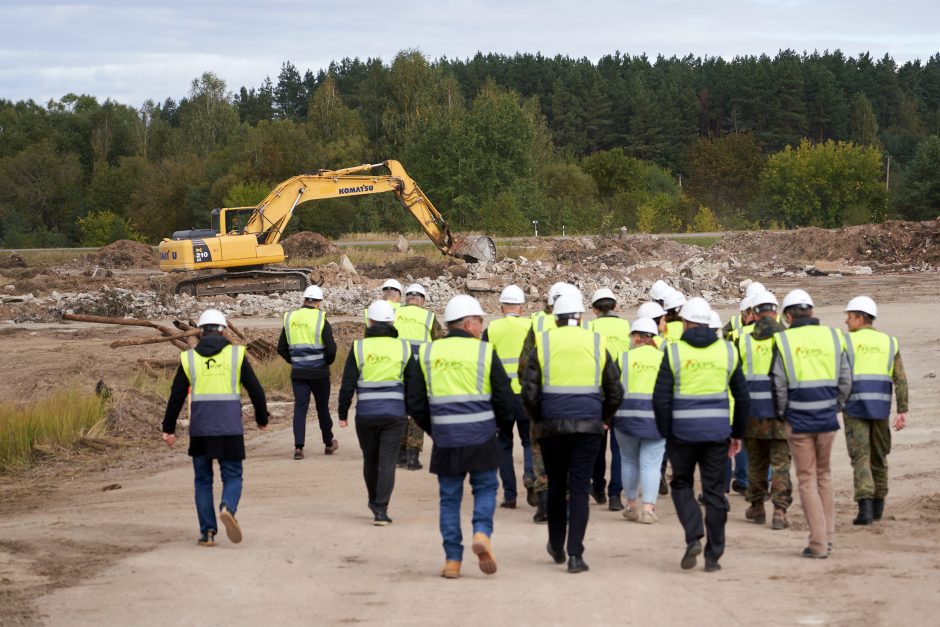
x,y
461,399
657,314
699,376
377,370
674,324
391,291
875,360
811,380
736,323
418,326
507,334
306,343
766,438
571,390
659,290
616,332
215,371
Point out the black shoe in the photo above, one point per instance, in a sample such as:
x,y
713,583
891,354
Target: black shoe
x,y
599,497
701,499
865,512
877,509
807,552
691,552
558,556
531,497
829,547
614,503
576,564
711,567
541,513
508,504
738,487
663,487
298,453
381,518
413,462
208,539
402,457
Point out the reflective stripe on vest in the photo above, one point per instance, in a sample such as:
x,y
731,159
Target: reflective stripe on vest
x,y
616,333
736,323
871,357
215,391
701,403
414,324
380,390
303,329
457,376
811,357
757,356
507,335
571,361
543,321
639,370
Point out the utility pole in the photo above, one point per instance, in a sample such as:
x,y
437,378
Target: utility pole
x,y
888,176
535,223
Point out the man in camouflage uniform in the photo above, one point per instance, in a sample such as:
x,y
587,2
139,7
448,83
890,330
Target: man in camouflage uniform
x,y
866,413
766,437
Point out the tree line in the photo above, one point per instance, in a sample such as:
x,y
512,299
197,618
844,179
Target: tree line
x,y
497,142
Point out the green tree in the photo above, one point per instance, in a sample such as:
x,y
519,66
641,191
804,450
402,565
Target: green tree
x,y
724,172
919,196
864,124
207,119
100,228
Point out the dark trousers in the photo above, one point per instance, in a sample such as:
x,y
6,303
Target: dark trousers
x,y
711,458
598,482
569,461
507,470
379,439
320,389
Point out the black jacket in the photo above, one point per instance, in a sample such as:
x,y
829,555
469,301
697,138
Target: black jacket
x,y
229,447
611,389
699,337
351,371
329,354
456,460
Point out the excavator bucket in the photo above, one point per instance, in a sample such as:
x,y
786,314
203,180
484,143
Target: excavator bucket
x,y
474,248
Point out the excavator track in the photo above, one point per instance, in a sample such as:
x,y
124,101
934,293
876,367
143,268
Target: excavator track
x,y
260,281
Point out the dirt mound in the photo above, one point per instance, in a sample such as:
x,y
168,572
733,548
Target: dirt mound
x,y
891,244
13,260
308,245
632,250
415,267
125,254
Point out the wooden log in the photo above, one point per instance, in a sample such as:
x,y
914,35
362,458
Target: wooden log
x,y
235,330
133,322
153,340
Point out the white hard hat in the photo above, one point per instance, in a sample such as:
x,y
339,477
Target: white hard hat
x,y
715,322
416,288
392,284
212,317
644,325
568,302
756,287
381,311
512,295
864,304
659,290
764,298
746,303
696,310
601,294
797,297
555,290
650,310
674,300
461,306
314,292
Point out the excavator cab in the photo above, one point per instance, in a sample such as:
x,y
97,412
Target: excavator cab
x,y
231,220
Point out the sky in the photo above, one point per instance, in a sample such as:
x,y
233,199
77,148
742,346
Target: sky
x,y
130,51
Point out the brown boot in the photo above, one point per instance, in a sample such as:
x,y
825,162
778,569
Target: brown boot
x,y
483,549
756,513
779,520
451,570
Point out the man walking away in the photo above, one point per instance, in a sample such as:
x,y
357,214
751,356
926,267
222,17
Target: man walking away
x,y
213,374
306,343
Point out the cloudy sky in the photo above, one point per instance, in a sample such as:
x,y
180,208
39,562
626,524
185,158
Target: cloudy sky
x,y
130,51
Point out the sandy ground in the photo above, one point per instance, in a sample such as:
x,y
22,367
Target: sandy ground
x,y
75,554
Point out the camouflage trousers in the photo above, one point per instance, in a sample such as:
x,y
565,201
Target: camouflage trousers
x,y
539,480
413,437
764,453
869,442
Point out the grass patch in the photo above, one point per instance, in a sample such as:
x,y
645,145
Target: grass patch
x,y
274,375
160,386
58,420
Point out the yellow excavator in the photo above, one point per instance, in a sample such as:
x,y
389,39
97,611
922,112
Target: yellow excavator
x,y
244,253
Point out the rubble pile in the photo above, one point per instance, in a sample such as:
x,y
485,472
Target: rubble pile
x,y
308,245
125,254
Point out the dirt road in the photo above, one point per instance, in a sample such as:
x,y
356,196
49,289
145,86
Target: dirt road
x,y
310,556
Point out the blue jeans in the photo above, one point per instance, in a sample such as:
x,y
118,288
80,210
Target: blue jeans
x,y
740,470
231,472
484,484
640,459
507,470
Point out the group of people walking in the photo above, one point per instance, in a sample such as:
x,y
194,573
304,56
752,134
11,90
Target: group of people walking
x,y
670,386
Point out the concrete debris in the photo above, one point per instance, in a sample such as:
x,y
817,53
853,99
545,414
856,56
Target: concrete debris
x,y
402,245
347,266
824,268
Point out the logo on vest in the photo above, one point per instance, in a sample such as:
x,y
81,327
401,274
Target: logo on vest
x,y
868,349
210,363
762,349
695,365
809,352
373,358
639,366
454,365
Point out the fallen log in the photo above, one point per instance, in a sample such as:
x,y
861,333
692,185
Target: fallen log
x,y
131,322
153,340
